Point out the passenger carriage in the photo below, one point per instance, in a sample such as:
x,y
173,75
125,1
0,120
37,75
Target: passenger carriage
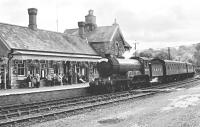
x,y
167,70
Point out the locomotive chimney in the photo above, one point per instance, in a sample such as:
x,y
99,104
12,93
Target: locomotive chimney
x,y
107,55
32,18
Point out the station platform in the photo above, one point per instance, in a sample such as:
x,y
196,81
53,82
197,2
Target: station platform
x,y
33,95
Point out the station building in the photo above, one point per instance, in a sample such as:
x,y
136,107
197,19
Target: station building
x,y
31,51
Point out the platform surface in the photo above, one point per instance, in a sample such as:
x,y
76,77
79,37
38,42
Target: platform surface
x,y
41,89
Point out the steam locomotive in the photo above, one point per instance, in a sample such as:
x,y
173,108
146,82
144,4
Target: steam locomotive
x,y
119,74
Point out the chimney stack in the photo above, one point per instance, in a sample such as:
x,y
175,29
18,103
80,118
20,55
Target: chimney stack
x,y
90,21
90,18
81,30
32,18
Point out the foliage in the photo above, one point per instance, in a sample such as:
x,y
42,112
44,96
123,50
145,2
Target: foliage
x,y
190,53
197,54
147,54
162,55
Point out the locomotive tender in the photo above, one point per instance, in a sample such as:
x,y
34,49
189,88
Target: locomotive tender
x,y
118,74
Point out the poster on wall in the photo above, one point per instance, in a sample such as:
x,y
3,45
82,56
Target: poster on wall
x,y
51,71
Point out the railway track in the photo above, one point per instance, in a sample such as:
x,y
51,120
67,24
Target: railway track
x,y
53,112
178,84
21,115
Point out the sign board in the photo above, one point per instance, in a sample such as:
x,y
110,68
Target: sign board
x,y
51,71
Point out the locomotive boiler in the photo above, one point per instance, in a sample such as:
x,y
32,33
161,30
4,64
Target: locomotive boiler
x,y
118,74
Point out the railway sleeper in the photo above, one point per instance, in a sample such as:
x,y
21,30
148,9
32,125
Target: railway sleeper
x,y
2,117
4,112
22,109
16,114
25,112
46,109
34,111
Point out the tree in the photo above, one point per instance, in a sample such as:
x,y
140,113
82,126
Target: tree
x,y
190,61
162,55
145,54
197,54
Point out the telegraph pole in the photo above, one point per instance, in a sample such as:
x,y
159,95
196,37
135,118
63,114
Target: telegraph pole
x,y
135,43
57,16
169,53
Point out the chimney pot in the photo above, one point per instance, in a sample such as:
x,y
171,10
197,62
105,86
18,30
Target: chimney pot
x,y
91,12
32,11
81,24
32,18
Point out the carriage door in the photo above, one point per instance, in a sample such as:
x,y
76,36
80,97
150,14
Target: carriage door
x,y
157,70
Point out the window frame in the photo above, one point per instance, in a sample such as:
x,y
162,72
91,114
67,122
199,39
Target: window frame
x,y
19,68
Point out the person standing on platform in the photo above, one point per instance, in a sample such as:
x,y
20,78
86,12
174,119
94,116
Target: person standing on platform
x,y
80,78
70,77
34,81
60,77
29,80
37,80
0,77
49,80
54,79
65,79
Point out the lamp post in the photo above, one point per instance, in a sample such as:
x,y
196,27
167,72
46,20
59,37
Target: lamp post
x,y
135,43
169,56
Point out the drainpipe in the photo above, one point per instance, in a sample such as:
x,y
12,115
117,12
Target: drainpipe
x,y
5,77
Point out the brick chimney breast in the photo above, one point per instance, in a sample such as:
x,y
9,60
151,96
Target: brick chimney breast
x,y
81,30
32,18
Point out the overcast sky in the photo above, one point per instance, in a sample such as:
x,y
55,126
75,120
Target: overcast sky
x,y
152,23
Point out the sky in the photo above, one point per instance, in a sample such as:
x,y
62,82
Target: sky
x,y
149,23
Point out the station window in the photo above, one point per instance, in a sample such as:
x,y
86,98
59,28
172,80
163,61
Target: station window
x,y
21,67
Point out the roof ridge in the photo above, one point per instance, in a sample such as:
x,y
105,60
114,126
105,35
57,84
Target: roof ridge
x,y
30,29
97,27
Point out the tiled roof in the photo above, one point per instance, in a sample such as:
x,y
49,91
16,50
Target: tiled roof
x,y
18,37
100,34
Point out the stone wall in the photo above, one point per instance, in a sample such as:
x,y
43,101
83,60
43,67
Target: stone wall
x,y
115,47
27,98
